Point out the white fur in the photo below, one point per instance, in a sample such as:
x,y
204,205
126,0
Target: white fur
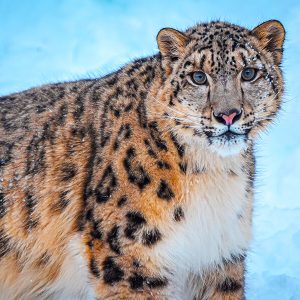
x,y
224,147
211,230
72,282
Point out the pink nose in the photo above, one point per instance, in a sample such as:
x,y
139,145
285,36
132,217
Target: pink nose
x,y
228,119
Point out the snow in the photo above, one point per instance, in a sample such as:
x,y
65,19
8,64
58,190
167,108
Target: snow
x,y
55,40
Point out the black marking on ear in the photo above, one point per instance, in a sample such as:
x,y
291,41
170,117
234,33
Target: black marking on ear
x,y
106,186
136,281
94,268
156,136
135,171
112,271
113,239
164,191
4,243
2,205
122,201
68,171
229,285
135,220
178,214
151,237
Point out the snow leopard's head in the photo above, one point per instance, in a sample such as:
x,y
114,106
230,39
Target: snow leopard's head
x,y
223,83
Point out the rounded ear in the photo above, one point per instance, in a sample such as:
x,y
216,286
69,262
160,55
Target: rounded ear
x,y
271,37
171,43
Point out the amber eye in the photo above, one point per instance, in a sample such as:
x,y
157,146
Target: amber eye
x,y
249,74
199,77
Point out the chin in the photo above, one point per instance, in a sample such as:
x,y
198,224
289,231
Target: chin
x,y
228,145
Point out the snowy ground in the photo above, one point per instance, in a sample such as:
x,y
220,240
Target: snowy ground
x,y
54,40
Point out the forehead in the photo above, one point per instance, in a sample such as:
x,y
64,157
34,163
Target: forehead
x,y
221,47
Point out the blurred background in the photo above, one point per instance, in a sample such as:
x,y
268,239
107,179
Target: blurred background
x,y
57,40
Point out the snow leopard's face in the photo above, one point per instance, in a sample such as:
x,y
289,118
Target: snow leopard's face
x,y
224,83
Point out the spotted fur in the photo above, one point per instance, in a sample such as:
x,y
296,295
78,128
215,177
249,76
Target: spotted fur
x,y
128,186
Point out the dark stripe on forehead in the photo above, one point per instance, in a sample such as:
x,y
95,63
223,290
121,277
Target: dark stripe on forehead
x,y
243,57
202,61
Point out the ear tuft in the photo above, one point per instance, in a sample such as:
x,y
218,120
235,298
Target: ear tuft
x,y
171,43
271,36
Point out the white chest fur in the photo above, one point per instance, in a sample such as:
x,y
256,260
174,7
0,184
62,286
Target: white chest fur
x,y
213,228
72,283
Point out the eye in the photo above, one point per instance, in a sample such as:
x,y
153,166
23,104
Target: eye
x,y
199,77
248,74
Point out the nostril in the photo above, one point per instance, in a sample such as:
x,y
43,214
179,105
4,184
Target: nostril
x,y
229,117
237,115
220,119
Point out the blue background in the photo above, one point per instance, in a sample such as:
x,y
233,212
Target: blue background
x,y
54,40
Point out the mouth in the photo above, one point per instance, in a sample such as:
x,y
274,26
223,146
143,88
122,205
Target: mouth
x,y
230,135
